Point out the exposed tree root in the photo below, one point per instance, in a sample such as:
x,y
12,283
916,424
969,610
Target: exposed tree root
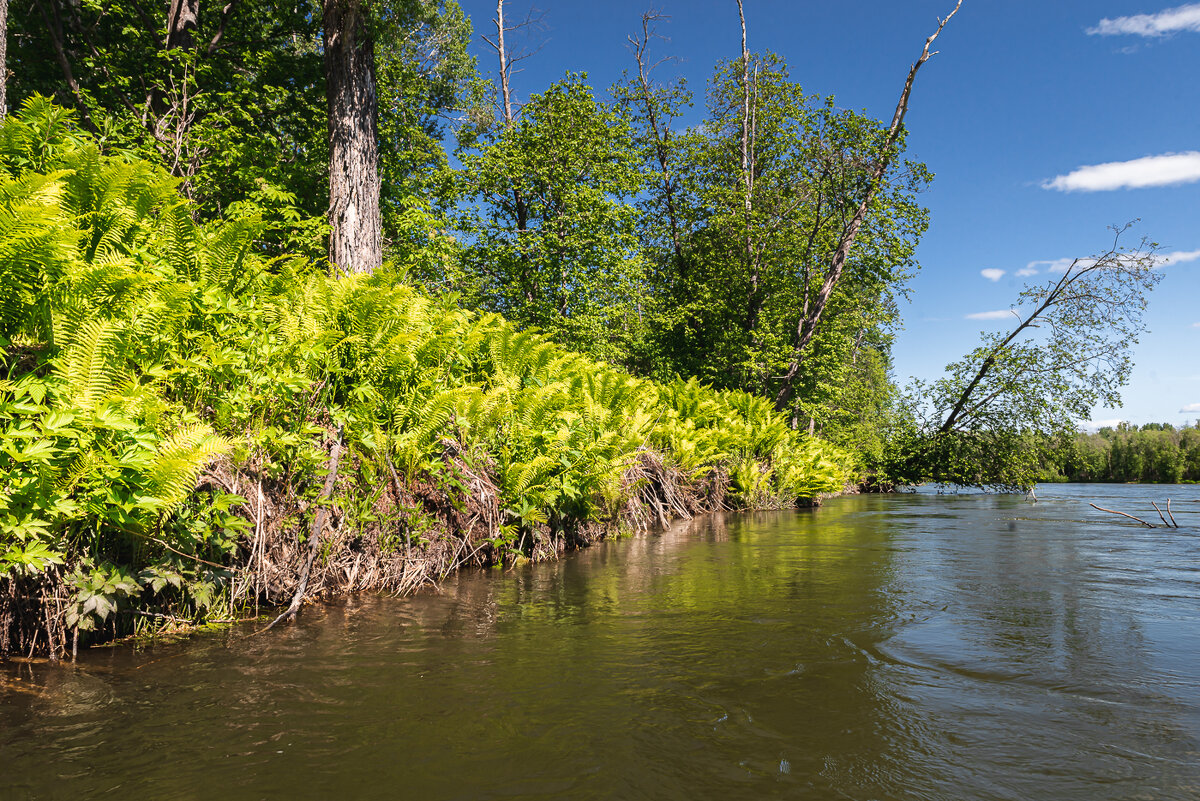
x,y
418,530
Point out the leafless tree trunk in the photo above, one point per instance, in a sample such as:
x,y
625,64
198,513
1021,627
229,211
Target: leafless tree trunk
x,y
505,65
356,235
807,326
749,125
507,62
662,135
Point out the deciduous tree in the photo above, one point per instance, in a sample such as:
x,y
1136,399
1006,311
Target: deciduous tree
x,y
1069,350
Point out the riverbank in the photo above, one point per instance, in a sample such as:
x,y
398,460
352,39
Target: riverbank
x,y
192,429
280,570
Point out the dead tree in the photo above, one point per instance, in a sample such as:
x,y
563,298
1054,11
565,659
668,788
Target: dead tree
x,y
661,131
507,63
807,326
749,126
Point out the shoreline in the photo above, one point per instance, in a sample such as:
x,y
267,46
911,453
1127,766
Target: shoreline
x,y
278,571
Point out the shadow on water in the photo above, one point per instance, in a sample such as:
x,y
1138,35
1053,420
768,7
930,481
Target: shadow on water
x,y
904,647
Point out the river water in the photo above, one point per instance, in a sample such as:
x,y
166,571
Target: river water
x,y
917,646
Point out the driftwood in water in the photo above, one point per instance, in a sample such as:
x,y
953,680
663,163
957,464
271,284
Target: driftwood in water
x,y
314,534
1122,514
1169,524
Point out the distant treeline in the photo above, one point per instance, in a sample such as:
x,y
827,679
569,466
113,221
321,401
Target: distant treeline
x,y
1155,453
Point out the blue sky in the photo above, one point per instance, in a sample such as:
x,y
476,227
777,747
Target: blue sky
x,y
1044,122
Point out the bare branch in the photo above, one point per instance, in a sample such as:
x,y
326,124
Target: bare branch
x,y
807,327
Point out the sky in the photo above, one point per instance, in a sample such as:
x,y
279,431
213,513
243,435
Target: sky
x,y
1044,123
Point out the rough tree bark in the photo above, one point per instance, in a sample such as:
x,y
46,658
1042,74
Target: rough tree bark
x,y
807,327
183,17
356,228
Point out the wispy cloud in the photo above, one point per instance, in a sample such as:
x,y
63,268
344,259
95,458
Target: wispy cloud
x,y
1176,257
992,274
1191,407
1062,265
998,314
1053,265
1195,325
1171,20
1165,170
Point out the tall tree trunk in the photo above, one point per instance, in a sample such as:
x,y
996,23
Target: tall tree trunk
x,y
661,132
183,16
3,58
754,301
356,236
807,327
505,65
520,206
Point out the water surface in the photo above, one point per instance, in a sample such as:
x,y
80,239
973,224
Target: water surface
x,y
900,647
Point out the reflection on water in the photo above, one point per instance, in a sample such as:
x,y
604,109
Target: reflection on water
x,y
905,647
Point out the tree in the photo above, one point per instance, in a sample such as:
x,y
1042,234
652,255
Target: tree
x,y
355,222
735,284
814,305
1069,350
553,232
230,98
429,90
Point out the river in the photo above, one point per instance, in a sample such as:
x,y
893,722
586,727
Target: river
x,y
917,646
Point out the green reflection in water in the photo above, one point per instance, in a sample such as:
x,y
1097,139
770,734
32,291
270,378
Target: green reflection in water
x,y
914,647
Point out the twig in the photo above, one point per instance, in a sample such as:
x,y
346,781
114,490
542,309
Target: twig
x,y
1160,514
387,457
1169,513
1122,514
314,534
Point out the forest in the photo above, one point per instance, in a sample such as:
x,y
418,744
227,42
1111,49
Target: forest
x,y
297,303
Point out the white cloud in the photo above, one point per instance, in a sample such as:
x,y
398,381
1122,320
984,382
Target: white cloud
x,y
1054,265
1165,170
1171,20
999,314
1176,257
1025,272
1195,325
992,274
1191,407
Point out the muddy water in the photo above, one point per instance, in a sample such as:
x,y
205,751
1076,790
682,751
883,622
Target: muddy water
x,y
908,647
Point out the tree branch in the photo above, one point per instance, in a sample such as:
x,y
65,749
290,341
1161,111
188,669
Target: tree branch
x,y
808,326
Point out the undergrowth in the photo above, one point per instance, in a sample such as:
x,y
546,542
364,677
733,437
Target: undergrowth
x,y
171,398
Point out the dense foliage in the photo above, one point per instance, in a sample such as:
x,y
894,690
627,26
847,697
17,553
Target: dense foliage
x,y
1156,453
992,418
147,355
589,315
237,107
